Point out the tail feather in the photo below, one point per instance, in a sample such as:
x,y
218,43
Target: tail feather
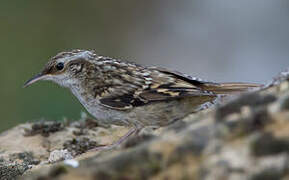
x,y
230,88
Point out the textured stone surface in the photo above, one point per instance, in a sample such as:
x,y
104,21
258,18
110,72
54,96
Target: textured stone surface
x,y
245,138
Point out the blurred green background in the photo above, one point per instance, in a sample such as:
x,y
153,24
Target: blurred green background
x,y
216,40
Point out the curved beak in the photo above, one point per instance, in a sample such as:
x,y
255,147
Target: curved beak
x,y
36,78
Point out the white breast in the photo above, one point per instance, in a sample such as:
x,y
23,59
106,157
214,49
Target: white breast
x,y
100,112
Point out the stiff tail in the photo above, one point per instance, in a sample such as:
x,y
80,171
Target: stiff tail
x,y
230,88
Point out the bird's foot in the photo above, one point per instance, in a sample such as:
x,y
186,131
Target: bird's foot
x,y
118,142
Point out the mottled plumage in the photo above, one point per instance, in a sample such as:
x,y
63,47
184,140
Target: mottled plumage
x,y
123,93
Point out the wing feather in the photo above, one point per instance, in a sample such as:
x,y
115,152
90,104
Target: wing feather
x,y
157,85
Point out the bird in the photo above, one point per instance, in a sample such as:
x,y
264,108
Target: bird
x,y
124,93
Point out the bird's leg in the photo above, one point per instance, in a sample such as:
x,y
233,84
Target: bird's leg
x,y
132,131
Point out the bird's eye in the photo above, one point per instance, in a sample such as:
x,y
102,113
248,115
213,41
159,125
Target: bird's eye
x,y
59,66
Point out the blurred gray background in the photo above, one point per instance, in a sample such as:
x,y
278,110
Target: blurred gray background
x,y
215,40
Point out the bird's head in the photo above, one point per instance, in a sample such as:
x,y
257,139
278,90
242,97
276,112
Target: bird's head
x,y
61,68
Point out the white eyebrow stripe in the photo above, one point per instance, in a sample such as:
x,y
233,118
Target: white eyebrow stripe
x,y
84,55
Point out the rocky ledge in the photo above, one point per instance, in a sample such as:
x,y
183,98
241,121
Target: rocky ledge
x,y
244,138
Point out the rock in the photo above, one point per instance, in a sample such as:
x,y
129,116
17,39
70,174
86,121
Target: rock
x,y
59,155
244,138
44,128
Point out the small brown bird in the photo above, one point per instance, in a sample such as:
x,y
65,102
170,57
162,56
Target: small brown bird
x,y
122,93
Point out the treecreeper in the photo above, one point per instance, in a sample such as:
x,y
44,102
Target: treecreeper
x,y
127,94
